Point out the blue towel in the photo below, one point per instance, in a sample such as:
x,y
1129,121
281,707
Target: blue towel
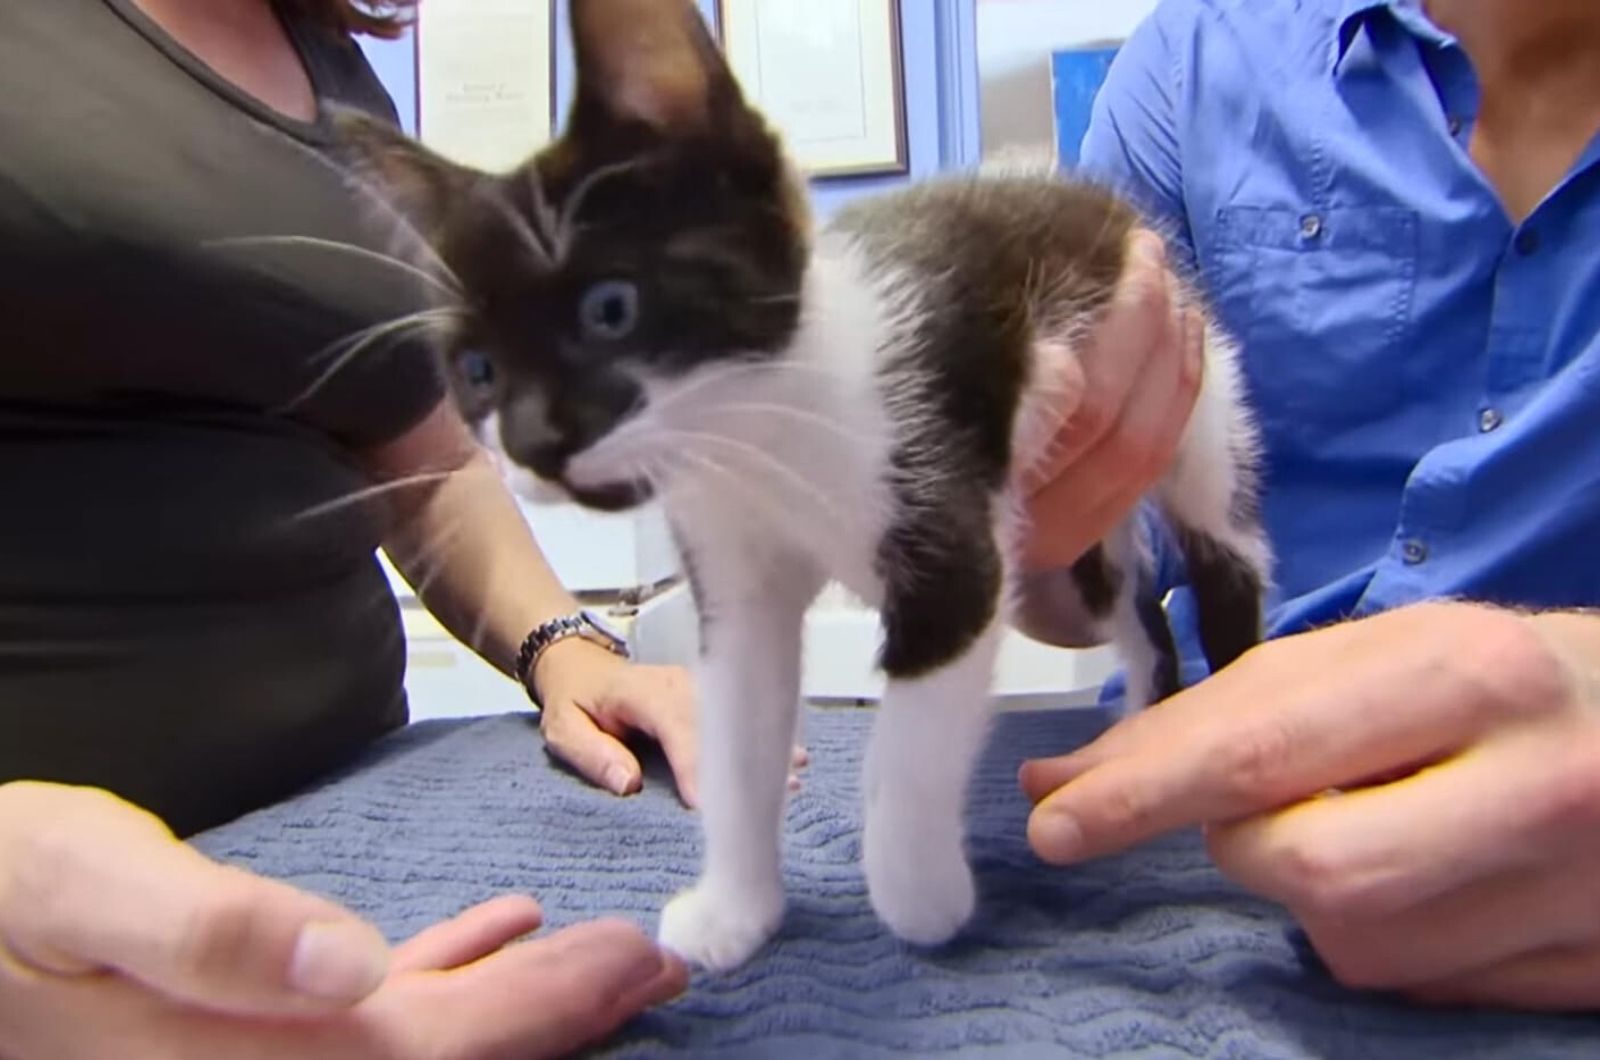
x,y
1149,954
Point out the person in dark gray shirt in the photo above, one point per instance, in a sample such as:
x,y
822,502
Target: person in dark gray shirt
x,y
193,619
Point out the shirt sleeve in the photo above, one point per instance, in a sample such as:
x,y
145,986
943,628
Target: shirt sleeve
x,y
1133,144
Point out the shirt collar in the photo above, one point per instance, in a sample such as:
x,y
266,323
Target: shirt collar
x,y
1354,15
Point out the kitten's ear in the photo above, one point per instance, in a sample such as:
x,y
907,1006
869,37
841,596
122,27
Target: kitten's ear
x,y
417,182
651,61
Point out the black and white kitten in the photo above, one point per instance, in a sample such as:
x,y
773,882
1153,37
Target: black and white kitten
x,y
647,313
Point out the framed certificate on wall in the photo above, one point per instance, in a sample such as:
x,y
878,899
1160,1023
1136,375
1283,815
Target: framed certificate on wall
x,y
485,79
828,74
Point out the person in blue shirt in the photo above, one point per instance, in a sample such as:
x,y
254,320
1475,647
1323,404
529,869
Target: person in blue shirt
x,y
1395,206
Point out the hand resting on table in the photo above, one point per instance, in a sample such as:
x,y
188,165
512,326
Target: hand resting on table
x,y
118,940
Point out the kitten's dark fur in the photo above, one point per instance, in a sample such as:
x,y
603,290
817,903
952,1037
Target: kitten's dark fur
x,y
646,311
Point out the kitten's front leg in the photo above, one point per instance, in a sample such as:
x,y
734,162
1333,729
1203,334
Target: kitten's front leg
x,y
928,735
942,633
752,619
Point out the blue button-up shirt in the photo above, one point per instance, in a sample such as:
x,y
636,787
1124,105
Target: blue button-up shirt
x,y
1425,370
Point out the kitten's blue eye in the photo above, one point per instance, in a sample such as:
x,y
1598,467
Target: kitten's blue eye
x,y
609,310
476,369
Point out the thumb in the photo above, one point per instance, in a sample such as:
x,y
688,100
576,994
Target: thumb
x,y
601,758
99,885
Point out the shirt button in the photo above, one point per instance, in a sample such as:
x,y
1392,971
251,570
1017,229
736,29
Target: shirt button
x,y
1455,125
1413,552
1489,419
1310,226
1527,242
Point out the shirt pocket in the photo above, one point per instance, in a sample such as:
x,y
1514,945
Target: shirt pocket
x,y
1321,302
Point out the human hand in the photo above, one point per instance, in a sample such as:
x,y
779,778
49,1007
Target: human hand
x,y
594,699
1138,379
118,940
1421,789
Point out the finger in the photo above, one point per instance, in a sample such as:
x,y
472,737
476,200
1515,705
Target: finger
x,y
107,887
1289,720
473,935
1477,927
801,757
1098,490
586,981
671,723
599,757
1194,357
1157,411
1556,980
1135,325
1383,850
678,742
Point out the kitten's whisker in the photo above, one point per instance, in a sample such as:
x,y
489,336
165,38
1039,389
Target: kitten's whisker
x,y
657,472
362,187
726,373
575,198
451,288
762,458
543,214
545,253
433,557
371,492
773,506
798,415
353,346
422,317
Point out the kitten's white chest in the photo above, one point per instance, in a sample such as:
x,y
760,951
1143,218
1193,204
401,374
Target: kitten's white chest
x,y
794,448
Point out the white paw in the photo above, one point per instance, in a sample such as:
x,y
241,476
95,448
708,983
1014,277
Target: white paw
x,y
923,890
719,929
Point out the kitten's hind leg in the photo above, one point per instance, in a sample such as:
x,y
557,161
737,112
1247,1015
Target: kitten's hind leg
x,y
1227,596
942,633
752,615
1138,623
1208,497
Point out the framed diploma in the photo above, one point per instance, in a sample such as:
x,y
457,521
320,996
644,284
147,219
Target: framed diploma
x,y
828,74
485,79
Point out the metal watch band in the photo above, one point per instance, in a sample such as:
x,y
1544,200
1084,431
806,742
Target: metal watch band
x,y
546,634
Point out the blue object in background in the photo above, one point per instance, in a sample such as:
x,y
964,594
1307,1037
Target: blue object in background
x,y
1076,75
939,62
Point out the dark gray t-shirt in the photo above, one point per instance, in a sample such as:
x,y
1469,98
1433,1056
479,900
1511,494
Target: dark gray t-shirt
x,y
173,626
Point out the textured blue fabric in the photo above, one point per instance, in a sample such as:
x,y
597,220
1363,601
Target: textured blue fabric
x,y
1150,954
1426,370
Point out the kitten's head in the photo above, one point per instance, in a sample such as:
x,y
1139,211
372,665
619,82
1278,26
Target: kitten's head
x,y
662,234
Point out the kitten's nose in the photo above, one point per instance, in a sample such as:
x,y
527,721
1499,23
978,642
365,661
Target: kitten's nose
x,y
543,434
530,439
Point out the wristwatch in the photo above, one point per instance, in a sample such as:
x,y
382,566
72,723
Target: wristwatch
x,y
585,624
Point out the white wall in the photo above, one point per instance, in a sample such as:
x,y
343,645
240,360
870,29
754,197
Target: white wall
x,y
1015,39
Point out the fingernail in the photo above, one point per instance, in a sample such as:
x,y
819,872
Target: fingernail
x,y
670,980
338,961
618,779
1055,836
